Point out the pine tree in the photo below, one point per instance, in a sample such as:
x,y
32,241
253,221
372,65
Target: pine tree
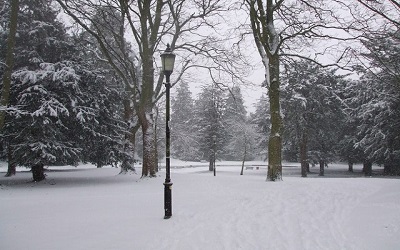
x,y
313,112
240,134
209,108
119,147
8,63
260,119
235,109
375,102
183,132
235,119
61,104
348,136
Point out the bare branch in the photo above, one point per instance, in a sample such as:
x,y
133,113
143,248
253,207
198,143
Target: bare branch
x,y
370,5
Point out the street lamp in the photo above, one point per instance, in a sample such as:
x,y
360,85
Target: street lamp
x,y
168,60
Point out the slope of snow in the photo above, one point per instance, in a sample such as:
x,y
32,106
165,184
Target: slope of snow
x,y
89,208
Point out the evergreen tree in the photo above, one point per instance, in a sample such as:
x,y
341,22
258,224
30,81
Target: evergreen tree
x,y
100,150
8,63
209,108
261,120
183,132
313,112
102,139
8,30
375,102
61,104
348,137
235,120
40,39
235,109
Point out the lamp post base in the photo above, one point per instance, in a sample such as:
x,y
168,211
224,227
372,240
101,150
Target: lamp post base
x,y
168,199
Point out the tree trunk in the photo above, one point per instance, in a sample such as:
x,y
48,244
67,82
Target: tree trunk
x,y
367,167
145,115
211,157
275,137
38,172
11,169
321,168
244,156
156,149
214,156
303,155
387,169
149,161
267,38
9,61
211,164
351,166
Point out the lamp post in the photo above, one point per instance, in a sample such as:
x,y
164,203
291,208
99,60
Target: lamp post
x,y
168,60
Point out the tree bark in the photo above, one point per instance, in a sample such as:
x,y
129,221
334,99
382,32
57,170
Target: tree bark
x,y
38,172
244,156
5,93
387,169
267,38
149,161
321,168
11,169
211,164
351,166
212,156
367,167
275,137
145,115
148,39
303,154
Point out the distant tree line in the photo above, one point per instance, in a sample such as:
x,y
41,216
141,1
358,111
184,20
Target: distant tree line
x,y
328,116
215,116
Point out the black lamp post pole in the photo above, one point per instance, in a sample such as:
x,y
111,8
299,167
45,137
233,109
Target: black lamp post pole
x,y
168,60
167,183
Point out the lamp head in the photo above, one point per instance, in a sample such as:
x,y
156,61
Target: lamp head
x,y
168,61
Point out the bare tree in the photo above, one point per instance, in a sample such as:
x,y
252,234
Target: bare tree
x,y
142,21
386,9
149,25
284,30
382,25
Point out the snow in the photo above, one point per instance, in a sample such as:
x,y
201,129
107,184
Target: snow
x,y
265,60
89,208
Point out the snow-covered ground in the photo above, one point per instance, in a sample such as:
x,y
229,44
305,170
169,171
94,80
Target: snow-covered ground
x,y
89,208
